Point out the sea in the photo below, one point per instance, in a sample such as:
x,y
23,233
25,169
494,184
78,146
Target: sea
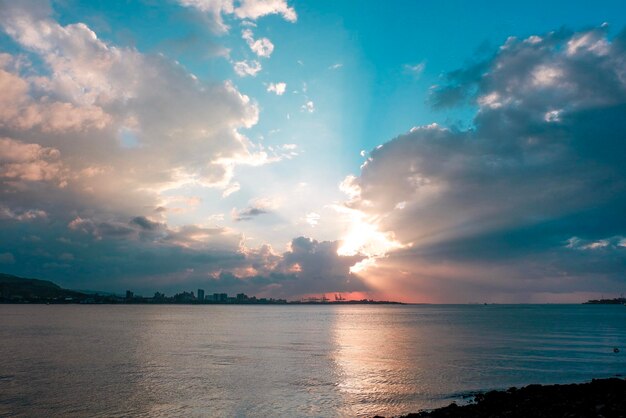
x,y
290,360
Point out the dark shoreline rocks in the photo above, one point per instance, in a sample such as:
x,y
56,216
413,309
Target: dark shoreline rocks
x,y
598,398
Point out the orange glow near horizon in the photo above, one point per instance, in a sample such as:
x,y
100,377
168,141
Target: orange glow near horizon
x,y
334,296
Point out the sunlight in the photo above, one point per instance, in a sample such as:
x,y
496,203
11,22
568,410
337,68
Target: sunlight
x,y
364,237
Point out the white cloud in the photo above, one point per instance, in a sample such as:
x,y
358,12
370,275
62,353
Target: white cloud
x,y
415,69
244,9
547,75
335,66
254,9
248,23
247,68
610,243
309,106
30,162
278,88
350,187
262,47
312,218
230,189
214,9
591,41
18,110
491,100
184,131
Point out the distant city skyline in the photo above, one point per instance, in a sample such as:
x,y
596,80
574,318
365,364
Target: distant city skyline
x,y
432,151
23,290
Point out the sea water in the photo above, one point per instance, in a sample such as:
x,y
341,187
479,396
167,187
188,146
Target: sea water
x,y
291,361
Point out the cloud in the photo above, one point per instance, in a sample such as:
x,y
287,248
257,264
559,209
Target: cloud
x,y
214,9
18,110
145,223
145,255
609,243
186,129
99,144
232,188
248,214
262,47
335,66
487,210
309,107
254,9
257,207
319,268
30,163
308,267
22,214
244,9
312,218
278,88
416,70
247,68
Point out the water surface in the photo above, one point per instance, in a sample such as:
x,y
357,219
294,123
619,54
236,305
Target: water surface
x,y
142,360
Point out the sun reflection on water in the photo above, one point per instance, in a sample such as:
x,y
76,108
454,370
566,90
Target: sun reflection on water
x,y
372,356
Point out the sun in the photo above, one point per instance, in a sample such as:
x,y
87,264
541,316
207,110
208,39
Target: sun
x,y
364,237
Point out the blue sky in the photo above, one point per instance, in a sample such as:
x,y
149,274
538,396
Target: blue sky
x,y
374,42
226,138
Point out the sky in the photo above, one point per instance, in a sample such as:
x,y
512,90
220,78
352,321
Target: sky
x,y
420,151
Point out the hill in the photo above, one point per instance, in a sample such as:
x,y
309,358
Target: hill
x,y
14,288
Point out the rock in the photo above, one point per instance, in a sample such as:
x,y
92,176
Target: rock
x,y
600,397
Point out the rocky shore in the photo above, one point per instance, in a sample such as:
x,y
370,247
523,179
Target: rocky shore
x,y
598,398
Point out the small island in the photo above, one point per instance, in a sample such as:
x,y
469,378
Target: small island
x,y
614,301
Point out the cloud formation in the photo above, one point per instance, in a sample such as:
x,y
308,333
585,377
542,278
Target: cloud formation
x,y
215,10
186,129
416,69
308,106
108,156
29,163
492,211
262,47
248,213
247,68
278,88
97,145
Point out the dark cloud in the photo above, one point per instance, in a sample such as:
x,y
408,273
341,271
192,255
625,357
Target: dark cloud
x,y
542,164
248,213
145,255
459,87
319,268
145,223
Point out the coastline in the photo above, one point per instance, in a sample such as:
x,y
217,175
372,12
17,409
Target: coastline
x,y
598,398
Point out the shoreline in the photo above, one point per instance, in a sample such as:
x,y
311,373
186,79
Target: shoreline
x,y
135,303
598,398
